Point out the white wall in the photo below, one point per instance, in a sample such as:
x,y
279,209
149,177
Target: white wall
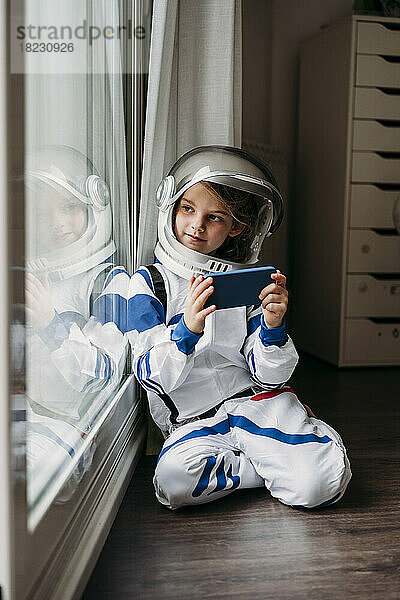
x,y
293,21
272,33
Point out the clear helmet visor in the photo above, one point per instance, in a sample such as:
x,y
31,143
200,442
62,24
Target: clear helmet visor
x,y
225,166
204,160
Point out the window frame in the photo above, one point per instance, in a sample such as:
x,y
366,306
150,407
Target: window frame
x,y
54,560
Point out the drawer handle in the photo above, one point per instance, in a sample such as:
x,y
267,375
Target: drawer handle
x,y
365,248
395,290
395,332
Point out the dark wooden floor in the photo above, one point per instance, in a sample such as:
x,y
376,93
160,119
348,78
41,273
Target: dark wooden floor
x,y
249,546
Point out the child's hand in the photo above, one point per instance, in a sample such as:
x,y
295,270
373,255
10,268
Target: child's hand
x,y
39,306
195,315
274,300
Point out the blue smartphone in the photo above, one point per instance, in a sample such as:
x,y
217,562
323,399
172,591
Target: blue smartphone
x,y
239,288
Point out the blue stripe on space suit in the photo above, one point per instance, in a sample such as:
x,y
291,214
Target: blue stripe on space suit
x,y
253,324
147,278
143,373
243,423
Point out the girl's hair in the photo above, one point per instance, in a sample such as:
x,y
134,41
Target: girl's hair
x,y
244,208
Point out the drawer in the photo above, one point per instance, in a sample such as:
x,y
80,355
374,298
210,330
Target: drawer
x,y
368,296
370,342
375,38
376,71
371,252
373,135
372,103
372,167
371,206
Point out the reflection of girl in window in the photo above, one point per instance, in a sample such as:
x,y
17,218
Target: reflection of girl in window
x,y
74,361
69,251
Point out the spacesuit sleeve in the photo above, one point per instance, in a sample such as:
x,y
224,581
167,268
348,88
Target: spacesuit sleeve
x,y
270,353
90,354
162,355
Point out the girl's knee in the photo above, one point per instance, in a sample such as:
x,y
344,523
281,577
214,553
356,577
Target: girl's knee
x,y
193,479
316,489
172,482
316,485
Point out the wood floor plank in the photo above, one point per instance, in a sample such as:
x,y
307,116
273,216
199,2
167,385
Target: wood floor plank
x,y
248,545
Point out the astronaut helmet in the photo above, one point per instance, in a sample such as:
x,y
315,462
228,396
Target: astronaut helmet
x,y
68,213
245,186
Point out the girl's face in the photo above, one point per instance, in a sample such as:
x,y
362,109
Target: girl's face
x,y
62,220
201,221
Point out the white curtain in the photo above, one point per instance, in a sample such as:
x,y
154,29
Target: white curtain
x,y
194,92
108,138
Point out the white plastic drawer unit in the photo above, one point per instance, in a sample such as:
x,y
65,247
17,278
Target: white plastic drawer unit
x,y
376,168
376,38
375,135
374,342
372,252
378,71
374,103
369,296
372,206
361,54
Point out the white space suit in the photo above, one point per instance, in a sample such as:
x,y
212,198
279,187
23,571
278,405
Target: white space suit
x,y
221,397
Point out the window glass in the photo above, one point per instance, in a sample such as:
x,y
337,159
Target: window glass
x,y
77,241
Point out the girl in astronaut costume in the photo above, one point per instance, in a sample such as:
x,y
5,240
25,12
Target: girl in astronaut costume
x,y
216,380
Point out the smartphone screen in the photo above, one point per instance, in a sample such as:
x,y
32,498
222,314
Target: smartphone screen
x,y
239,288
